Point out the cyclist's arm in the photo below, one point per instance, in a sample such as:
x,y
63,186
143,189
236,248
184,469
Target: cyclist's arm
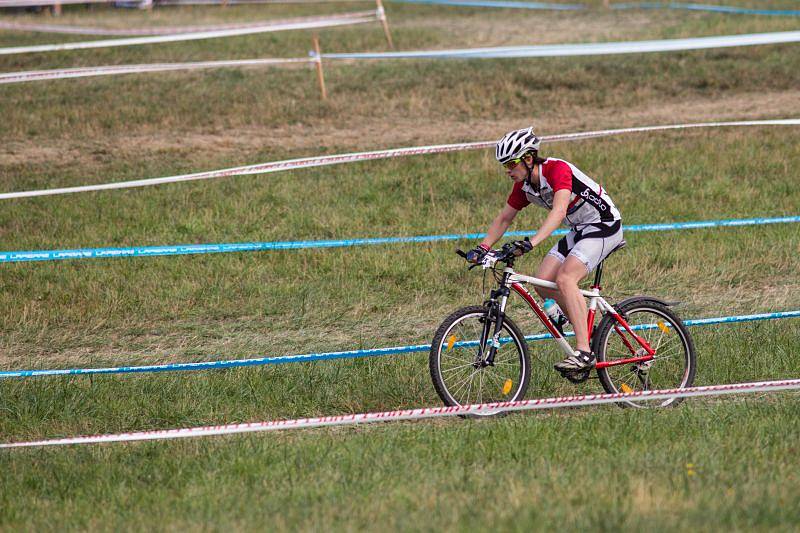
x,y
499,226
554,217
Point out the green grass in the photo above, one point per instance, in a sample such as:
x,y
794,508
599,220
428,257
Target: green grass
x,y
413,477
589,468
599,469
112,311
292,302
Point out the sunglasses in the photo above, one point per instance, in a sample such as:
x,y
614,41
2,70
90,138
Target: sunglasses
x,y
511,164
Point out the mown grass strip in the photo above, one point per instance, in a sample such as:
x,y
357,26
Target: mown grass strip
x,y
326,356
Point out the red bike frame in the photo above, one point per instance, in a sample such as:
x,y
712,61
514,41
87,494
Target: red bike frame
x,y
596,302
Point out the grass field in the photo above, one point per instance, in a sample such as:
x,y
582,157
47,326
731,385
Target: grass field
x,y
706,465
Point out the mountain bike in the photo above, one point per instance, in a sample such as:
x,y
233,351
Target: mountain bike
x,y
480,355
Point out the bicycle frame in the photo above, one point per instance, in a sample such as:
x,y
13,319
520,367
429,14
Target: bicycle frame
x,y
597,303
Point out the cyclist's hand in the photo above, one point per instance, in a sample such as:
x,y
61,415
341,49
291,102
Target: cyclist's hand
x,y
476,255
522,247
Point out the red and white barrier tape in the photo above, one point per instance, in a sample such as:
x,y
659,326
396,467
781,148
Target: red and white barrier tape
x,y
172,30
425,412
308,162
330,21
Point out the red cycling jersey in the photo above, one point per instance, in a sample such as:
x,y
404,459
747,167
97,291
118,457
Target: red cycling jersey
x,y
589,203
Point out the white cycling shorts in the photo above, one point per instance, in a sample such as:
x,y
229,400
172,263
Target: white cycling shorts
x,y
590,244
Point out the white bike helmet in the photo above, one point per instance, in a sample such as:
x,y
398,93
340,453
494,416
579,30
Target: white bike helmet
x,y
516,143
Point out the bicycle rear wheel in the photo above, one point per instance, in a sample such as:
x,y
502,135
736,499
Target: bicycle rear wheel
x,y
674,365
456,353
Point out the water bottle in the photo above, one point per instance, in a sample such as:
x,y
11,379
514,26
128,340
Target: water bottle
x,y
553,311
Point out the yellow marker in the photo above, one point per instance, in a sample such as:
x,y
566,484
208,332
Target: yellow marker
x,y
626,389
507,386
662,327
451,341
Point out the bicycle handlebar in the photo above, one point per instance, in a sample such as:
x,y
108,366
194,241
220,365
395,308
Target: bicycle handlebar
x,y
463,254
503,255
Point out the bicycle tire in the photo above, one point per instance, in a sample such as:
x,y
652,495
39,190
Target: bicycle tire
x,y
663,321
512,336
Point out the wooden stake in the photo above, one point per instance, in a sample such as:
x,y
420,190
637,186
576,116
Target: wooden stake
x,y
385,23
606,3
318,61
56,9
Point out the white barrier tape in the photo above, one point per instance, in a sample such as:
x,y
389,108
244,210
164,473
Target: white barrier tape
x,y
475,53
707,7
34,3
243,2
171,30
39,75
425,412
309,162
339,20
585,49
472,53
514,4
85,72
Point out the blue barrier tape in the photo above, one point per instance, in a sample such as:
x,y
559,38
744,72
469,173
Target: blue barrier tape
x,y
326,356
496,3
707,7
188,249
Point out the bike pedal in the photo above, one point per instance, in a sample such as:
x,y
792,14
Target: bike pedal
x,y
576,377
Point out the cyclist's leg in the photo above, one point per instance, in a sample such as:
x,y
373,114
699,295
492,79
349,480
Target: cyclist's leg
x,y
551,264
572,302
548,270
592,246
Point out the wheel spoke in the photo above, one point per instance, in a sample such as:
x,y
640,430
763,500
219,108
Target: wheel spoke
x,y
667,369
465,384
453,369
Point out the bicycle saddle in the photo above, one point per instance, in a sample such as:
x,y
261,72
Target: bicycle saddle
x,y
618,247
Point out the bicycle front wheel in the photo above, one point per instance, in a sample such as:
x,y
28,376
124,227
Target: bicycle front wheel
x,y
457,353
674,365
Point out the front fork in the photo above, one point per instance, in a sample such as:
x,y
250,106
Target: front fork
x,y
490,343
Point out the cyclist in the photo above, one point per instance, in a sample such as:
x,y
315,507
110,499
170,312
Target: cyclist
x,y
573,198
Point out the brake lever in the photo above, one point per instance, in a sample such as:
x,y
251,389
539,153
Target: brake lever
x,y
464,255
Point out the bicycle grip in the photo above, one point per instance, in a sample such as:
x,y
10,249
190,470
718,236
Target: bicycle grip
x,y
461,253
